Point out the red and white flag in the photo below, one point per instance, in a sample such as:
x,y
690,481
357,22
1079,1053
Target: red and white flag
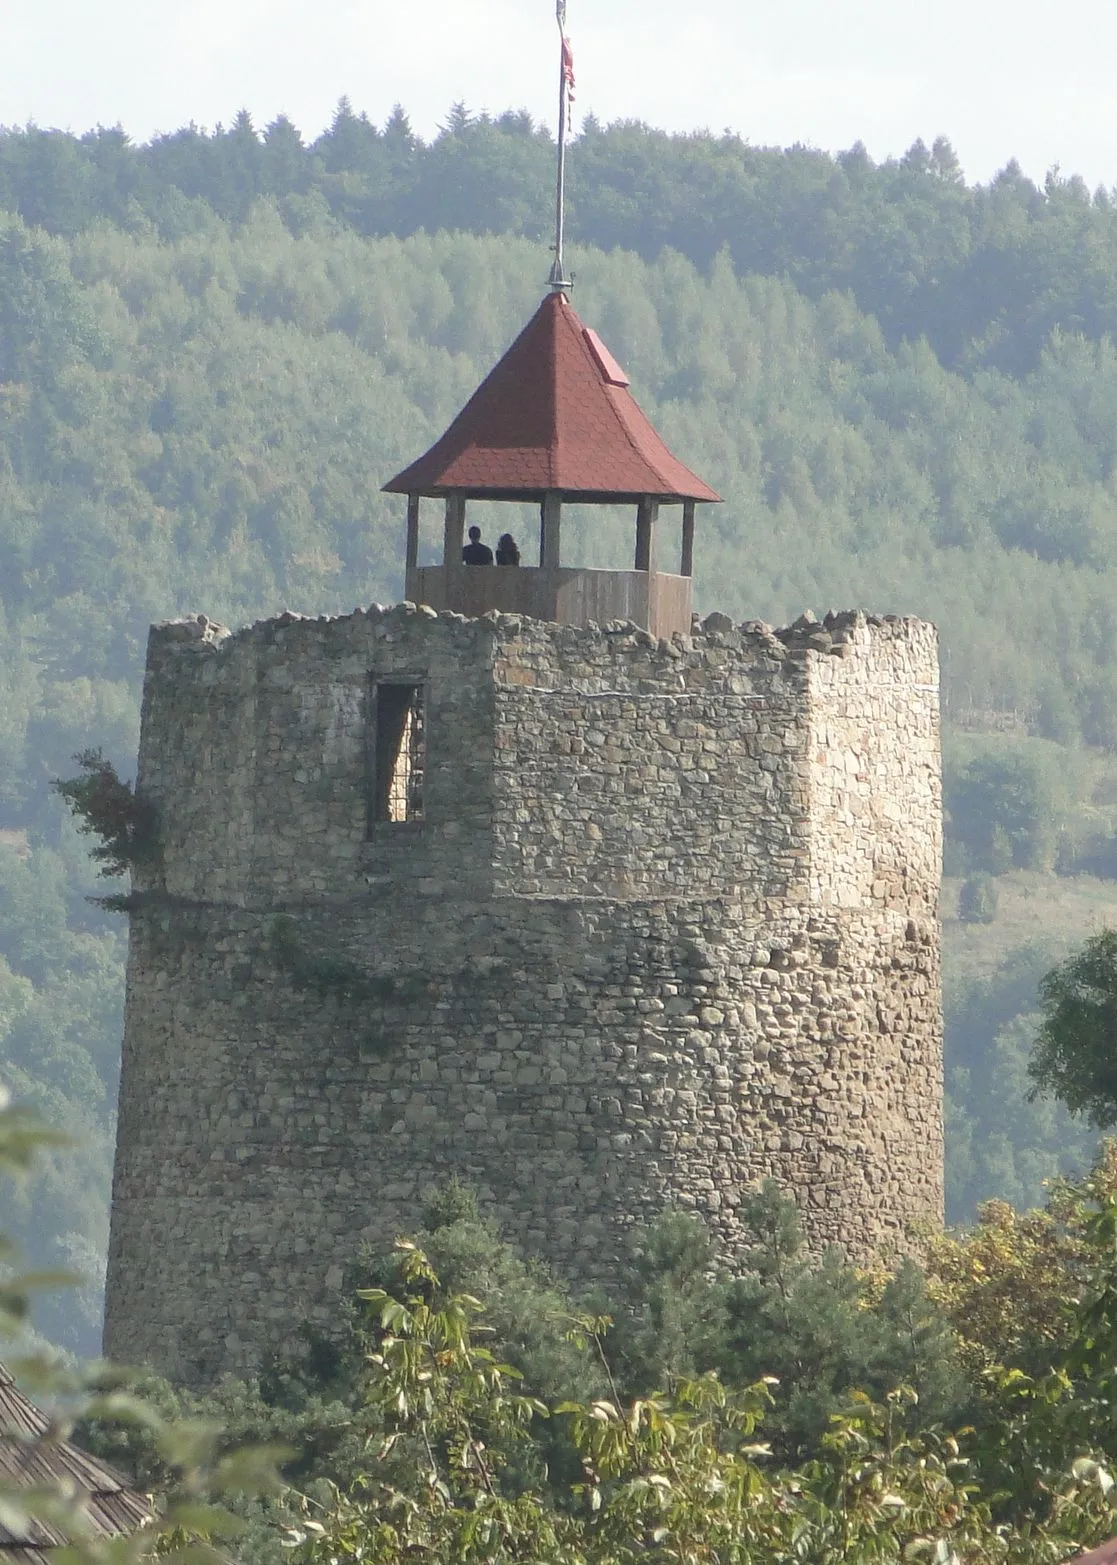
x,y
567,51
568,67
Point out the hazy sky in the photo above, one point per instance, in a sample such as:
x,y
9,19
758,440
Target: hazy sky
x,y
1001,80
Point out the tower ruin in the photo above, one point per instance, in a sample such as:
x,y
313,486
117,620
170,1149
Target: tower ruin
x,y
528,880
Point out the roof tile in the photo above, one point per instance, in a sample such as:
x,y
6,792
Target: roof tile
x,y
34,1456
554,414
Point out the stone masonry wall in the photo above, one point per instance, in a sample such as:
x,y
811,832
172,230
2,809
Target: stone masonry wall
x,y
876,805
253,749
628,768
620,965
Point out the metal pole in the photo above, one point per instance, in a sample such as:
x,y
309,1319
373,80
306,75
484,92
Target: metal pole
x,y
558,279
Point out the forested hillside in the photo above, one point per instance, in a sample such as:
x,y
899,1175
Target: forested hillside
x,y
214,349
984,273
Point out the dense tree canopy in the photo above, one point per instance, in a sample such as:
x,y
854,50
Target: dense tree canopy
x,y
984,273
468,1408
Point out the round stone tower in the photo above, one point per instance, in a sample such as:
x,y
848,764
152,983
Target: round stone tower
x,y
654,918
602,914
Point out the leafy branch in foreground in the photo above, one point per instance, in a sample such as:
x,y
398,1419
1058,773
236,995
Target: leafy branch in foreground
x,y
191,1516
681,1476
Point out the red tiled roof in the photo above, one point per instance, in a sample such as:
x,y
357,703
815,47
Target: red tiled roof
x,y
555,414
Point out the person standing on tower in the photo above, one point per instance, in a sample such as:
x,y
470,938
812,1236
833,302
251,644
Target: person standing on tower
x,y
476,552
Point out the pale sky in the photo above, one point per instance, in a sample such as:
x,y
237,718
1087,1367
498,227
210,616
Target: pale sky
x,y
1000,80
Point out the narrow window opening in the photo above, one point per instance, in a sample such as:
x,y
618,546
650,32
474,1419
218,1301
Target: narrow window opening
x,y
400,750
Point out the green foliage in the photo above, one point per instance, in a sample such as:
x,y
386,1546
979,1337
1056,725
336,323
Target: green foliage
x,y
46,324
985,274
904,387
1031,1303
529,1312
1075,1057
684,1474
187,1519
1004,808
108,808
670,1314
61,1002
1002,1139
820,1327
977,900
438,1446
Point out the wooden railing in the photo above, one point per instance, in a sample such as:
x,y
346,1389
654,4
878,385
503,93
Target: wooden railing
x,y
563,594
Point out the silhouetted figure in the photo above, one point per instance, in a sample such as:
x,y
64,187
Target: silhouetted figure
x,y
476,552
506,550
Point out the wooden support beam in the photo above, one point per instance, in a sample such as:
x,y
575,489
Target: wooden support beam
x,y
412,531
550,530
646,514
686,564
454,535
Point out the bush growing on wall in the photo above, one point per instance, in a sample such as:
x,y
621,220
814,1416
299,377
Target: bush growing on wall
x,y
107,807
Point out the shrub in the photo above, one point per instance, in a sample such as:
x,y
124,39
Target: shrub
x,y
977,900
109,808
1004,810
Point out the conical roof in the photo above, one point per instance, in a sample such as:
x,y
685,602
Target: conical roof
x,y
555,414
33,1457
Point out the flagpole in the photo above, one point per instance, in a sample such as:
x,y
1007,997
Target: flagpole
x,y
558,280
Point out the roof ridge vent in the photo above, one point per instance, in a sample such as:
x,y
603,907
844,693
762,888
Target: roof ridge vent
x,y
606,363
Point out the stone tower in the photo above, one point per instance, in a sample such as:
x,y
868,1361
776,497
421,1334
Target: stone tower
x,y
600,918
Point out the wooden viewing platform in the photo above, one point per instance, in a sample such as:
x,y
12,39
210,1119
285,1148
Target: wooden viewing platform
x,y
554,423
565,594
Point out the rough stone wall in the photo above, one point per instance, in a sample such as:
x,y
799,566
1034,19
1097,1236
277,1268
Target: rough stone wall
x,y
631,768
254,751
875,783
632,957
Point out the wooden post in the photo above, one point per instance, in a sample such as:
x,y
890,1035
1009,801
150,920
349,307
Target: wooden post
x,y
412,531
454,534
646,514
686,564
550,530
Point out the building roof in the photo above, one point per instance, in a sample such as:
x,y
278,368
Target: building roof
x,y
1104,1554
555,414
32,1456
